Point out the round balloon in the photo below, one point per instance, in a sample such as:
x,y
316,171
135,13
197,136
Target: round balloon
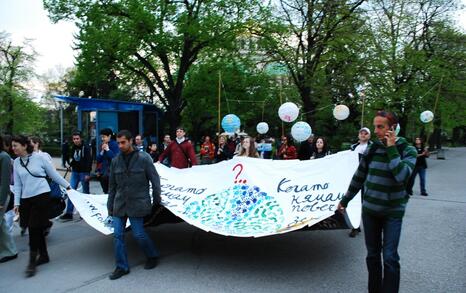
x,y
262,128
288,112
301,131
341,112
426,116
397,129
231,123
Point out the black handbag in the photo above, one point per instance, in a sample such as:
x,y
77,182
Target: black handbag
x,y
56,206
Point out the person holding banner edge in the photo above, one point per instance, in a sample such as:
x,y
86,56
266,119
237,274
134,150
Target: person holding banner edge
x,y
32,197
128,197
384,171
364,141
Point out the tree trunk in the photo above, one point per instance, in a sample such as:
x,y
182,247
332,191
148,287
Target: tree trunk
x,y
9,109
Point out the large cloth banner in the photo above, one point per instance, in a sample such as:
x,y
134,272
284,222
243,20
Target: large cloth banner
x,y
93,209
248,197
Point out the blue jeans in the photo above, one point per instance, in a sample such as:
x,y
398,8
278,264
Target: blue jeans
x,y
422,177
382,236
137,226
77,177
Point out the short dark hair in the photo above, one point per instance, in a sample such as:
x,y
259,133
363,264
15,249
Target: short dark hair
x,y
106,131
76,133
391,117
24,141
180,128
125,133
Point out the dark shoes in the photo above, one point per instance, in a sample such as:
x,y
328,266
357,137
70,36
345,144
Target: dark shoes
x,y
424,193
118,273
66,217
47,229
8,258
410,192
151,263
30,270
354,232
42,260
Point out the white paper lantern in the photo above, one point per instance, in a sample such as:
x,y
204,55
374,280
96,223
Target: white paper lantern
x,y
262,127
288,112
426,116
341,112
301,131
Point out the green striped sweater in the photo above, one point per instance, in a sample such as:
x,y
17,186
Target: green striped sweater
x,y
384,179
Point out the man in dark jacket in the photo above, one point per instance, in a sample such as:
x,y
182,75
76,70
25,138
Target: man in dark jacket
x,y
180,151
131,172
81,165
306,149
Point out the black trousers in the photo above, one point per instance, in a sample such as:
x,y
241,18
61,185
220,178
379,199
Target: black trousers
x,y
34,216
104,183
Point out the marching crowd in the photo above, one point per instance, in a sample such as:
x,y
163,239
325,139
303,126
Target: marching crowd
x,y
125,164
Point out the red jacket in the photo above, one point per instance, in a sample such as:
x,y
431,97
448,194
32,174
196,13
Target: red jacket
x,y
208,150
178,154
287,152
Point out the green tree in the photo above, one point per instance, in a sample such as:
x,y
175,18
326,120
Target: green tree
x,y
402,66
18,112
298,33
246,90
152,42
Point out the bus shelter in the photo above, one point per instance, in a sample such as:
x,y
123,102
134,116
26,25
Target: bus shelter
x,y
96,114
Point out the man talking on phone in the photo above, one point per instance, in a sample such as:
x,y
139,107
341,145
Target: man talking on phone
x,y
384,171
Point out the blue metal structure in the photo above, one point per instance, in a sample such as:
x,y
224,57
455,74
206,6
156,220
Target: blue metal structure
x,y
117,115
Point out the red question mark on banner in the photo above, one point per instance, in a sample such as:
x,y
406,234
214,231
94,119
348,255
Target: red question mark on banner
x,y
241,170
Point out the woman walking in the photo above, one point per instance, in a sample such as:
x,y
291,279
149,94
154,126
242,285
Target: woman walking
x,y
420,168
31,191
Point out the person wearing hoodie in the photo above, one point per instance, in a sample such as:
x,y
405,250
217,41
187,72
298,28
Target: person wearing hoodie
x,y
384,171
81,165
108,150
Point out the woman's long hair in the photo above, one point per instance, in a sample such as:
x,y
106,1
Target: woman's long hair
x,y
324,148
422,142
252,152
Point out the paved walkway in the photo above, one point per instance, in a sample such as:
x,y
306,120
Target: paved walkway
x,y
432,250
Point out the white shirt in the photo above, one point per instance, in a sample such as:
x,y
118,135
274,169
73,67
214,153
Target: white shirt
x,y
361,148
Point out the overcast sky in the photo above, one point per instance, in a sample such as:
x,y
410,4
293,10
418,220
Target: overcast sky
x,y
53,42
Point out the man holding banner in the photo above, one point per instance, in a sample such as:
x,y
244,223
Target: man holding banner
x,y
128,197
384,172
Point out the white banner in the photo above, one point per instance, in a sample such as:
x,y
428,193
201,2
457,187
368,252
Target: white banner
x,y
248,197
93,209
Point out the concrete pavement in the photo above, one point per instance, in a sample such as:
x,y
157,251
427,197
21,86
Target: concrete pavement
x,y
432,251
